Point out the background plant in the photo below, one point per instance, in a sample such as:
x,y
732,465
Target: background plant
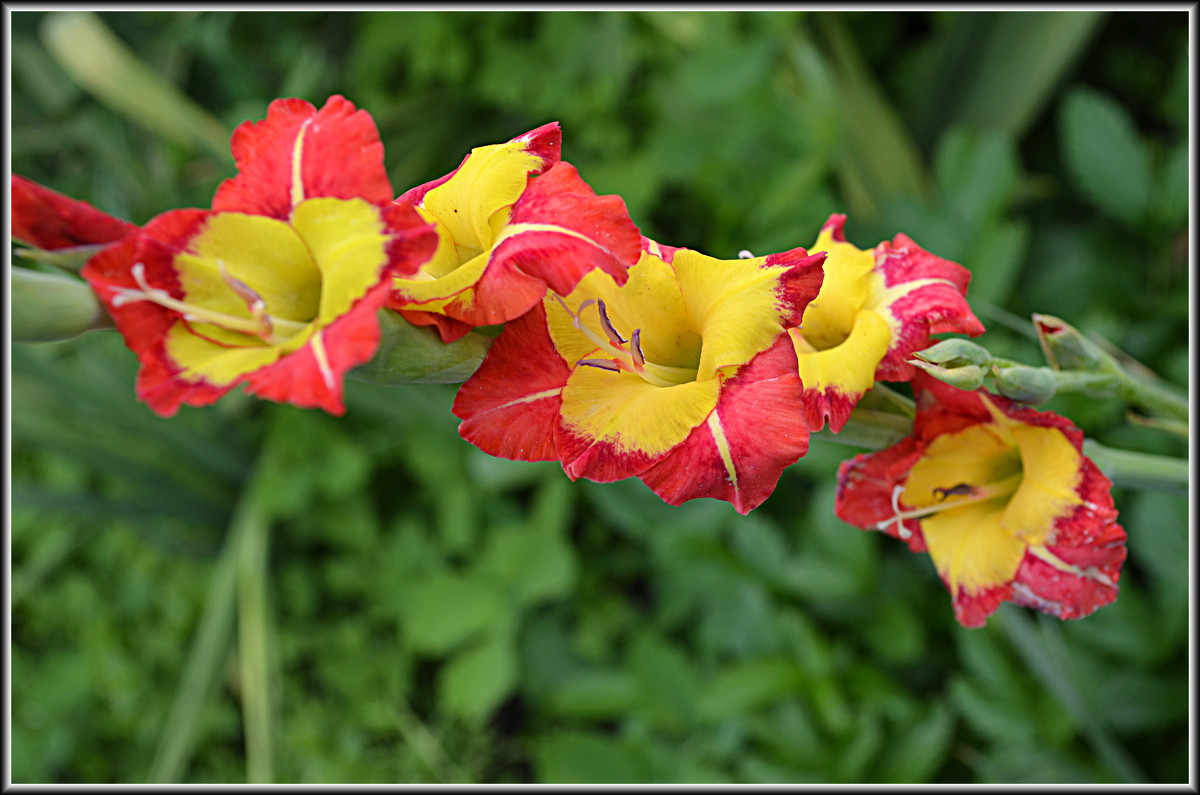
x,y
258,592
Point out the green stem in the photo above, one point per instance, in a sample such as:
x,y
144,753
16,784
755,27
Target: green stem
x,y
1139,470
1153,397
253,643
209,650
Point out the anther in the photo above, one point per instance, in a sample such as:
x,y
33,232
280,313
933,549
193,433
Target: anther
x,y
607,325
745,254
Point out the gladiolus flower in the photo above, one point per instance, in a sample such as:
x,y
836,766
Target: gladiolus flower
x,y
512,221
683,376
875,309
1002,498
279,284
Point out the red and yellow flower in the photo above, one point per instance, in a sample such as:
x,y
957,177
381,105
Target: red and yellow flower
x,y
512,221
876,307
278,286
1002,498
682,376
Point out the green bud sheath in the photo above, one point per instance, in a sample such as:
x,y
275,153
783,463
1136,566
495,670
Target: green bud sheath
x,y
47,307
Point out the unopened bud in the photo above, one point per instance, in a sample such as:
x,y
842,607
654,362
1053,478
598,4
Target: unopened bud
x,y
1025,384
968,377
1064,347
956,352
411,354
47,307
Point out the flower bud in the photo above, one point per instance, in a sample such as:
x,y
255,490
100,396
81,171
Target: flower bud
x,y
1064,347
968,377
1025,384
47,307
956,352
409,354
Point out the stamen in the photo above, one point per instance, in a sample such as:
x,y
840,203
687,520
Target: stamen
x,y
635,347
607,325
260,325
970,494
745,254
603,364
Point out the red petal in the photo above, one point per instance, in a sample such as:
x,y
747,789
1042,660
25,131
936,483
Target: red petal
x,y
142,324
413,241
303,379
448,328
761,416
866,484
49,220
800,284
509,408
341,157
972,610
561,198
1067,595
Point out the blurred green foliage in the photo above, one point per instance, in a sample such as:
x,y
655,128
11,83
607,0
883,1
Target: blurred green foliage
x,y
431,614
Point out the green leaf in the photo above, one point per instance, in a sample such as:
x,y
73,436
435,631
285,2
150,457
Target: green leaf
x,y
445,609
1104,154
597,694
916,751
581,758
976,172
96,59
746,687
1171,191
475,681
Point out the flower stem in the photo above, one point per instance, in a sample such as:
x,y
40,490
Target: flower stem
x,y
1143,471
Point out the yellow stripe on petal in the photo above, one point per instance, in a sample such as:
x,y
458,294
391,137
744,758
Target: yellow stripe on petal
x,y
733,304
297,166
348,243
848,367
719,438
634,416
511,230
492,178
1048,490
970,548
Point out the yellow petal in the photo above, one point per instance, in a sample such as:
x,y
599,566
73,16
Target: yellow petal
x,y
848,366
264,253
970,548
848,283
348,244
650,300
976,455
633,415
1048,490
733,304
490,180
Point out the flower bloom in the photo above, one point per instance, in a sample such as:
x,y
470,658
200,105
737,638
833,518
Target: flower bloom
x,y
682,376
1001,497
279,284
875,309
51,221
512,220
